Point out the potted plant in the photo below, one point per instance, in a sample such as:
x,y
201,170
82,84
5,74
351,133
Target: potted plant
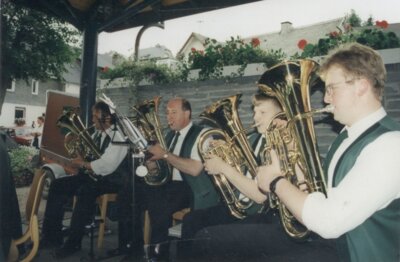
x,y
234,52
21,166
375,36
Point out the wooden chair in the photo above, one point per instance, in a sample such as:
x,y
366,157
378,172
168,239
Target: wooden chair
x,y
176,218
103,203
146,228
178,215
31,213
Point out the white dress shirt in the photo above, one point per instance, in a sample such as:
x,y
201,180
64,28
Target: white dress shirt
x,y
370,185
176,174
248,174
113,155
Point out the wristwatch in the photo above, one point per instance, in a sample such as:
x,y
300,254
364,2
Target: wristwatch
x,y
165,156
272,185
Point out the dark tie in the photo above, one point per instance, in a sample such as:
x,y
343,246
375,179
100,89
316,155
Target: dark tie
x,y
335,145
97,140
173,144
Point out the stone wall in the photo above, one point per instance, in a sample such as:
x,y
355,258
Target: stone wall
x,y
202,94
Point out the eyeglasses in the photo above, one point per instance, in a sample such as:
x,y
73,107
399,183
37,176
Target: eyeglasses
x,y
329,88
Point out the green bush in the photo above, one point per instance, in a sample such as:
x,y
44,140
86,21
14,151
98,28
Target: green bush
x,y
21,160
149,71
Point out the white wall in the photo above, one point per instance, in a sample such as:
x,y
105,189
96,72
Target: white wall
x,y
31,114
72,88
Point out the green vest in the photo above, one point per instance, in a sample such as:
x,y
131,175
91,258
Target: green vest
x,y
377,238
204,193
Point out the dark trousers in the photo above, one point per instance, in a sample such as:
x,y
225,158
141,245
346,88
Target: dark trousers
x,y
213,234
201,218
61,190
130,213
250,240
196,222
162,202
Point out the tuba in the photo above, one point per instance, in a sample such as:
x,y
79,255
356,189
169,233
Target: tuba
x,y
148,122
295,143
235,150
78,141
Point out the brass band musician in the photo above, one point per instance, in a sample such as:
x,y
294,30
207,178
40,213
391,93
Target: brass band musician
x,y
189,186
362,207
217,233
111,173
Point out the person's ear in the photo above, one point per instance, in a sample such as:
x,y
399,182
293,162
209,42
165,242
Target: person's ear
x,y
363,86
187,114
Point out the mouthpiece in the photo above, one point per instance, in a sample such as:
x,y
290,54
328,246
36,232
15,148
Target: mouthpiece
x,y
327,109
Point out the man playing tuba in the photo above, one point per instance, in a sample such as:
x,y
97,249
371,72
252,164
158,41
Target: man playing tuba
x,y
111,171
190,186
218,233
362,206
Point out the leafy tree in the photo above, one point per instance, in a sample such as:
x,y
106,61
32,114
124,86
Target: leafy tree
x,y
33,45
354,20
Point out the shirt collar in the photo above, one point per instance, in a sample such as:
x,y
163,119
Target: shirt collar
x,y
185,130
363,124
108,131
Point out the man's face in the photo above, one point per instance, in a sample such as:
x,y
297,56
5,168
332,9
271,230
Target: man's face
x,y
264,112
99,123
341,92
176,117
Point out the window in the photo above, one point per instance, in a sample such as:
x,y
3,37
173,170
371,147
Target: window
x,y
19,113
35,87
12,87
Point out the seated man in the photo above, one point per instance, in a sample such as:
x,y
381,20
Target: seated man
x,y
215,232
362,206
189,185
111,173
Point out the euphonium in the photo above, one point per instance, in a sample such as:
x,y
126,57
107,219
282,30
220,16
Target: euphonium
x,y
295,143
235,150
148,122
78,141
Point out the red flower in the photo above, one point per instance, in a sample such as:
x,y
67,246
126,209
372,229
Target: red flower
x,y
333,34
193,50
302,44
104,69
382,24
255,42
